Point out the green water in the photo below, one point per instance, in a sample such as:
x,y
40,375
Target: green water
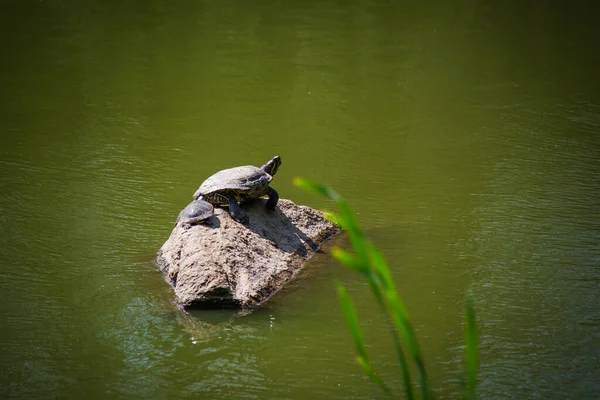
x,y
464,134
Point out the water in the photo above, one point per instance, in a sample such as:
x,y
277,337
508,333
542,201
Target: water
x,y
464,134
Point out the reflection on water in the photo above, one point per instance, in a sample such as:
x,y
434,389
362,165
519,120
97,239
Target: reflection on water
x,y
464,136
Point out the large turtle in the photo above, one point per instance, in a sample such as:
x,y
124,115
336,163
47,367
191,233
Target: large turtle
x,y
232,186
196,212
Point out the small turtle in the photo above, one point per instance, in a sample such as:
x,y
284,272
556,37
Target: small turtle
x,y
194,213
232,186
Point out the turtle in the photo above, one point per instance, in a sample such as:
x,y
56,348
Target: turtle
x,y
233,186
194,213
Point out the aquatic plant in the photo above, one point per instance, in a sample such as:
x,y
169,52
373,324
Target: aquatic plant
x,y
369,262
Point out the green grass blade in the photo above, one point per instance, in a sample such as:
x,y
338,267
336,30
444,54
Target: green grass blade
x,y
335,218
354,328
348,259
381,268
352,321
396,310
369,261
351,226
316,187
471,349
366,366
404,328
408,386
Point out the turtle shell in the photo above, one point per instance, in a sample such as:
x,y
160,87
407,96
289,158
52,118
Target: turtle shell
x,y
245,183
196,211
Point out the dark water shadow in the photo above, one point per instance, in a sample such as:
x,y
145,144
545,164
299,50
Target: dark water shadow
x,y
207,324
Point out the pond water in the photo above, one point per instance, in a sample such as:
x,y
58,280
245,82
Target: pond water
x,y
464,134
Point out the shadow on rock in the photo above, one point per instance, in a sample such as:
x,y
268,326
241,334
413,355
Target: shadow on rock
x,y
276,227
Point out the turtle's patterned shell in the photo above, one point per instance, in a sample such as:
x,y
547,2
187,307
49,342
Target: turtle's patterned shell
x,y
197,210
245,183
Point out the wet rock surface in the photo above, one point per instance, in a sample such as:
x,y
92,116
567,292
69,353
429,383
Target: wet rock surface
x,y
223,263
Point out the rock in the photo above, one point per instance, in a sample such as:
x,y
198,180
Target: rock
x,y
226,264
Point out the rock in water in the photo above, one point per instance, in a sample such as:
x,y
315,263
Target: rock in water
x,y
227,264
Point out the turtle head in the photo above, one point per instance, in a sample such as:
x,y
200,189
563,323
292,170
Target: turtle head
x,y
272,166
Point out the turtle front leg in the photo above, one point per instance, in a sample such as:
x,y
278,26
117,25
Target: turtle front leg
x,y
273,199
236,212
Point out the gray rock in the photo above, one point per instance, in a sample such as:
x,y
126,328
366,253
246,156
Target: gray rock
x,y
226,264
